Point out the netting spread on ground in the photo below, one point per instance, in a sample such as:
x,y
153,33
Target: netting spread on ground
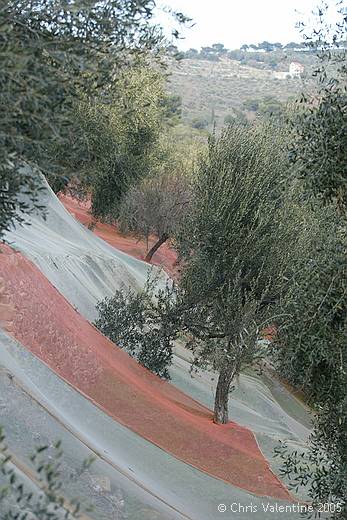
x,y
80,265
46,324
85,269
131,478
164,257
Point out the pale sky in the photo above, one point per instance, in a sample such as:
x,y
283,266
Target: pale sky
x,y
235,22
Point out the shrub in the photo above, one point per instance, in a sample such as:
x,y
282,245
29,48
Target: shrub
x,y
200,123
132,321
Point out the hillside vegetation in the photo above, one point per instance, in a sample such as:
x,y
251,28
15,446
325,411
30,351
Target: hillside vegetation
x,y
227,87
256,217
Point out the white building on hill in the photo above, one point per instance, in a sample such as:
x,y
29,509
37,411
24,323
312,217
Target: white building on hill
x,y
296,69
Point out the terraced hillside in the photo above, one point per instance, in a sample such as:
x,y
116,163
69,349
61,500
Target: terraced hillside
x,y
158,455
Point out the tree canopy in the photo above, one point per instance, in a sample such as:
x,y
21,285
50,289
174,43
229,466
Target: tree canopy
x,y
312,344
52,52
119,131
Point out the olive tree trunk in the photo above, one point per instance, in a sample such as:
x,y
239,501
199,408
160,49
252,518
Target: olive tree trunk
x,y
155,248
226,376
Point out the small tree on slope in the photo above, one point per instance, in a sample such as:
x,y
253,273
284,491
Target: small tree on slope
x,y
142,324
156,206
238,244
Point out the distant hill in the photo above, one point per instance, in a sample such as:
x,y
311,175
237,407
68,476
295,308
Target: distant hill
x,y
237,84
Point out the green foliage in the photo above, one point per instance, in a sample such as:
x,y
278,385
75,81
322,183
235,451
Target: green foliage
x,y
326,469
271,107
311,341
51,52
323,468
158,204
313,347
200,123
48,503
172,104
141,323
237,244
251,104
229,119
268,107
236,232
119,131
16,181
217,51
320,144
237,118
210,53
320,128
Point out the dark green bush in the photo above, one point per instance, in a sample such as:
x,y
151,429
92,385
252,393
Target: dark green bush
x,y
140,323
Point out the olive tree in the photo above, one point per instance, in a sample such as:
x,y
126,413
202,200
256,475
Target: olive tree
x,y
120,131
237,244
315,336
156,206
142,323
53,52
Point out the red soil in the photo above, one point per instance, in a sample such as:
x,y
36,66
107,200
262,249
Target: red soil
x,y
41,319
164,257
